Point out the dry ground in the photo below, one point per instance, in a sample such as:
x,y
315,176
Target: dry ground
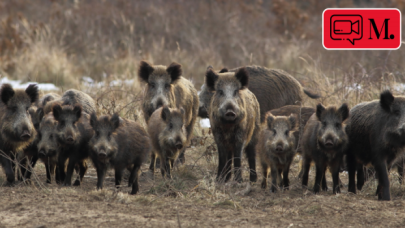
x,y
192,199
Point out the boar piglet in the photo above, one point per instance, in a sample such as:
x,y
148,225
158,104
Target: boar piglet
x,y
277,149
118,143
16,129
376,131
73,132
235,121
168,135
324,141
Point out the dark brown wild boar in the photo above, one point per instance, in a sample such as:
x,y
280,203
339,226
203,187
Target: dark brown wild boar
x,y
277,149
273,89
235,121
118,143
73,134
16,128
167,87
324,141
376,131
168,135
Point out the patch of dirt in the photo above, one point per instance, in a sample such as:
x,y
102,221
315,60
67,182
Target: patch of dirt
x,y
193,199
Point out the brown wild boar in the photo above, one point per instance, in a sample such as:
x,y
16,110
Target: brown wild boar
x,y
235,121
277,149
168,135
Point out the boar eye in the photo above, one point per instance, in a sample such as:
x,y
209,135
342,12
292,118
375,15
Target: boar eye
x,y
109,134
62,123
152,85
167,86
235,93
220,92
324,123
170,126
286,132
51,136
274,131
397,112
337,125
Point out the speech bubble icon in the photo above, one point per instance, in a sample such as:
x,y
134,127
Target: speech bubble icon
x,y
346,27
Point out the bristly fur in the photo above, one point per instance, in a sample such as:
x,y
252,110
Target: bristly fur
x,y
32,91
386,99
224,70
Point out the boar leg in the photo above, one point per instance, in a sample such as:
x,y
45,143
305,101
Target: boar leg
x,y
265,170
61,166
6,163
48,172
152,162
320,170
383,181
306,165
286,181
165,167
251,156
82,171
335,176
237,162
101,170
324,184
222,160
118,177
360,177
181,157
32,161
351,166
134,174
69,172
274,178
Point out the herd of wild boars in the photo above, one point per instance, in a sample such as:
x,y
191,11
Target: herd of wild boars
x,y
252,110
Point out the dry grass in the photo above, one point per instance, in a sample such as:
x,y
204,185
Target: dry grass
x,y
63,41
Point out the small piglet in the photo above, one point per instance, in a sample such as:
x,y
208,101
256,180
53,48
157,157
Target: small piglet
x,y
118,143
277,149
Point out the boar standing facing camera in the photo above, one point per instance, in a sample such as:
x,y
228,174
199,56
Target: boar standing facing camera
x,y
277,149
118,143
324,141
16,129
235,121
168,135
167,87
376,131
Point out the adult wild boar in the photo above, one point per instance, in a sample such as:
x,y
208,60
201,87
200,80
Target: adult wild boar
x,y
277,149
324,141
376,131
235,121
273,89
118,143
167,87
16,128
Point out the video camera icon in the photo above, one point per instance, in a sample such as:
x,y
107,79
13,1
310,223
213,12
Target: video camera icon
x,y
346,27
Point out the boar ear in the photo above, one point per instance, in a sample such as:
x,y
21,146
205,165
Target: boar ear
x,y
56,110
115,119
344,111
174,71
243,76
40,113
270,119
6,93
293,120
32,91
386,100
224,70
319,109
165,113
77,109
210,78
93,119
145,69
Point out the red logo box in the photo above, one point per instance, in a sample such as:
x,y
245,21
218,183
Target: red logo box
x,y
361,29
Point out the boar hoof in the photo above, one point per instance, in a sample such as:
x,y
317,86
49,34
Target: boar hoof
x,y
77,183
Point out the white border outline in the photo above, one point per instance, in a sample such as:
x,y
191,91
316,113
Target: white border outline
x,y
400,29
